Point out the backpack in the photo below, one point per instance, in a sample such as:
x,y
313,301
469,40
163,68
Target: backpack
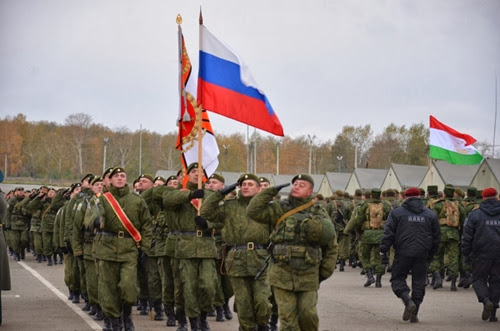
x,y
450,214
375,215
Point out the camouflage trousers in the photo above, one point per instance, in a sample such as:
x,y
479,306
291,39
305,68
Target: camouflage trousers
x,y
48,243
223,289
142,278
344,242
37,242
91,281
154,279
78,274
451,248
251,297
167,281
370,257
198,281
71,278
178,289
297,310
18,240
117,285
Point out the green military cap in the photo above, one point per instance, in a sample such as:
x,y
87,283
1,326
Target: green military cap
x,y
376,192
320,196
148,176
159,178
107,172
116,170
218,177
73,186
192,166
339,193
90,176
264,180
346,195
460,192
135,182
368,194
20,188
248,176
449,190
305,177
390,192
471,191
396,191
173,177
432,190
179,172
96,180
44,186
358,192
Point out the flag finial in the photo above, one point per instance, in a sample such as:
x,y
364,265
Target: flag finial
x,y
201,17
178,19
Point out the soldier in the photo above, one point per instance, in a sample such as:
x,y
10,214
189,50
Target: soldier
x,y
481,244
223,291
196,250
451,217
34,209
413,231
17,223
303,250
4,259
264,182
337,211
370,219
246,251
56,201
123,238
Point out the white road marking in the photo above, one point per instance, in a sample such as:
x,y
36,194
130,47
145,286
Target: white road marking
x,y
61,296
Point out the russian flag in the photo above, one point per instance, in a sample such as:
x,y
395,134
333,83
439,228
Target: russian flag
x,y
226,87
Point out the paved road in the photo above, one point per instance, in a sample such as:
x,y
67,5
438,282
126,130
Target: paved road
x,y
38,302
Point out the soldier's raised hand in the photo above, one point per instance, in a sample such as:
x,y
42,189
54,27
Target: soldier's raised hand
x,y
228,189
197,194
279,187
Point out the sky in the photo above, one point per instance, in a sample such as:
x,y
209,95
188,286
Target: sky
x,y
323,64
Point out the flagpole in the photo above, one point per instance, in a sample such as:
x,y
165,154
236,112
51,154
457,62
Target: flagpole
x,y
430,171
199,110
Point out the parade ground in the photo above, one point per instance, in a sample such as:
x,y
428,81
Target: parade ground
x,y
38,301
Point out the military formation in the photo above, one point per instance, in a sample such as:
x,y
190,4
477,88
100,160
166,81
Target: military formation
x,y
179,248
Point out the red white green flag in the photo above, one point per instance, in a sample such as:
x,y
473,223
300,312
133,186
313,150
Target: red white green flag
x,y
450,145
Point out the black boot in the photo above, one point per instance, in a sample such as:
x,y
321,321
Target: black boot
x,y
414,315
92,310
354,262
488,308
61,258
181,317
49,261
211,313
453,284
71,295
341,265
203,322
493,316
44,259
262,328
143,306
55,258
409,306
128,325
107,324
86,306
169,311
438,280
378,282
17,257
227,311
99,315
468,279
389,268
273,323
23,254
39,258
219,314
433,280
76,297
461,280
158,311
116,323
370,280
195,323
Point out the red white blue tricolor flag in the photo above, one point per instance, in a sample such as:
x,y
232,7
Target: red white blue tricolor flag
x,y
226,87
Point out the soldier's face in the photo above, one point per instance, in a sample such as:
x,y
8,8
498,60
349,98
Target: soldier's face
x,y
77,190
174,183
51,194
97,187
193,176
158,182
215,184
301,189
107,180
119,180
144,184
264,185
249,188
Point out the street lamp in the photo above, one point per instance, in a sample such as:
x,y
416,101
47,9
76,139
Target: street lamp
x,y
339,158
278,143
311,139
106,140
226,152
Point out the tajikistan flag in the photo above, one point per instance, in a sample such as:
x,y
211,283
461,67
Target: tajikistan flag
x,y
450,145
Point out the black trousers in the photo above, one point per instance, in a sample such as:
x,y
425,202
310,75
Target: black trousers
x,y
486,279
400,270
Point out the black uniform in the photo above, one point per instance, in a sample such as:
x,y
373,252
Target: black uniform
x,y
413,230
481,241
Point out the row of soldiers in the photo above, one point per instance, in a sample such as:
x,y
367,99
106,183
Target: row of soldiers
x,y
159,245
360,222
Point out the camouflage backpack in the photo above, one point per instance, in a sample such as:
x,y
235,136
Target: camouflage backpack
x,y
449,214
374,216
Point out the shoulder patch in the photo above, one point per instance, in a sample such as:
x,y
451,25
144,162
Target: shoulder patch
x,y
79,207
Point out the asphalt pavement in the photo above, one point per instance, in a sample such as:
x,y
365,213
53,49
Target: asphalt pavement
x,y
38,301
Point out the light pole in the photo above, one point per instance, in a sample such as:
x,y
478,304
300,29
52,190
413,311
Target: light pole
x,y
339,158
311,139
106,140
226,152
278,157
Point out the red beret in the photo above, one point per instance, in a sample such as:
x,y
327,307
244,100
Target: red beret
x,y
489,192
412,192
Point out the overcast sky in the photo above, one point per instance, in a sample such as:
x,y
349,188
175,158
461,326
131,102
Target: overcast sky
x,y
323,64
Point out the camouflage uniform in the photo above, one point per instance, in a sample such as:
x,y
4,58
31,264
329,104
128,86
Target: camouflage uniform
x,y
18,226
298,265
48,221
35,208
246,254
338,212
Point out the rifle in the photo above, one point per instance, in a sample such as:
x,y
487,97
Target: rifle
x,y
266,262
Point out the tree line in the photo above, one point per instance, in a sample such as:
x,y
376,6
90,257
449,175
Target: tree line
x,y
53,151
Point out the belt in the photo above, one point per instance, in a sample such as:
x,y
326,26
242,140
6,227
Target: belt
x,y
250,246
197,233
119,234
